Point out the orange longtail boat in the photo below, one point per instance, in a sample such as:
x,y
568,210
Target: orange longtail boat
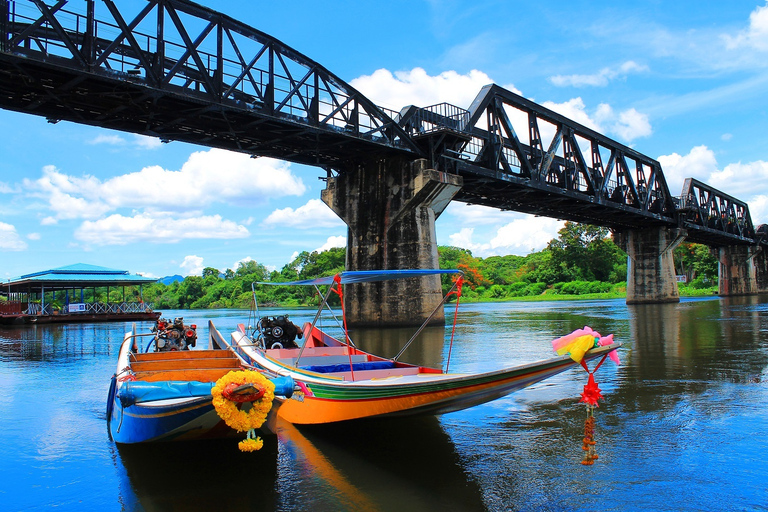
x,y
340,382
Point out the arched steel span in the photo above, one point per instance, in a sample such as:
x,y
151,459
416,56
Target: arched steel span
x,y
180,71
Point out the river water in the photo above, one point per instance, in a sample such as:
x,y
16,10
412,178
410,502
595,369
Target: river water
x,y
683,425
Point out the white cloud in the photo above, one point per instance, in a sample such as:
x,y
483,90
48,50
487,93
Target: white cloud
x,y
33,236
207,177
475,215
120,230
68,197
521,236
109,139
511,232
416,87
5,188
726,137
144,142
699,163
332,242
244,260
627,125
755,35
601,78
741,179
631,125
138,141
10,239
314,214
758,209
192,265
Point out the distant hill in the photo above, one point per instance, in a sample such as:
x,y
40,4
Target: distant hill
x,y
170,279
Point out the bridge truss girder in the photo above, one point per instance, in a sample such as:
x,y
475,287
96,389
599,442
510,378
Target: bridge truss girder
x,y
714,217
575,174
179,71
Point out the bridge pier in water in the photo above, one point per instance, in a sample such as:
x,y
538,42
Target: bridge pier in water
x,y
760,262
650,265
390,206
738,272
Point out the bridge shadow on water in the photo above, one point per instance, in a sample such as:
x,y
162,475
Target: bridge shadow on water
x,y
400,464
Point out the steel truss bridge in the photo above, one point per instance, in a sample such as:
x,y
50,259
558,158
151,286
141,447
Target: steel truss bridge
x,y
179,71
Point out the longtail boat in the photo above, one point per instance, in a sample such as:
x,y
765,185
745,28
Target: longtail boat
x,y
164,392
341,382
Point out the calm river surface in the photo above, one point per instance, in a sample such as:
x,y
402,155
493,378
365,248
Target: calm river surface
x,y
684,423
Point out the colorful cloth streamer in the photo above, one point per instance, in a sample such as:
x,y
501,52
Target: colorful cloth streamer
x,y
613,354
580,341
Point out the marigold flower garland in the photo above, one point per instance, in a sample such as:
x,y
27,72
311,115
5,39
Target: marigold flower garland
x,y
238,419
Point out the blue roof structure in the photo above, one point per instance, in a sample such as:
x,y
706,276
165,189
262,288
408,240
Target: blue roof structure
x,y
79,275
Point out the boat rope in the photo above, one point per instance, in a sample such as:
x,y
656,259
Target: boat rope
x,y
340,292
314,321
333,314
458,285
423,325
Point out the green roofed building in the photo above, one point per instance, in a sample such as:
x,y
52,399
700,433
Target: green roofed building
x,y
59,295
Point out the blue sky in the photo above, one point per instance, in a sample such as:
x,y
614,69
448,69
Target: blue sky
x,y
681,82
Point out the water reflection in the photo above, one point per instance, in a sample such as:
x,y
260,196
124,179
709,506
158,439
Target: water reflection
x,y
426,349
401,464
62,342
680,427
389,465
203,475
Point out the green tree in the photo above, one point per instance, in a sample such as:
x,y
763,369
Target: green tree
x,y
210,271
696,262
584,252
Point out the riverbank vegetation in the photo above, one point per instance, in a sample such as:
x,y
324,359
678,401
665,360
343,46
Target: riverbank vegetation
x,y
581,263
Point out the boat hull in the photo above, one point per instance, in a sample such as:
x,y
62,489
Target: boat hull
x,y
166,420
167,396
329,400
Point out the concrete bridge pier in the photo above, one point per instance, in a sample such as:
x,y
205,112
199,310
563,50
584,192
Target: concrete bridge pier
x,y
390,207
650,265
760,262
737,272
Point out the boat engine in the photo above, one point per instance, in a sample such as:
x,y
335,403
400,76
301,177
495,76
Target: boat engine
x,y
170,336
279,332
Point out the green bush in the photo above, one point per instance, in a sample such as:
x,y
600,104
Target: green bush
x,y
582,287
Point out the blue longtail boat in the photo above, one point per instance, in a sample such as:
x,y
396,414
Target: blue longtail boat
x,y
166,394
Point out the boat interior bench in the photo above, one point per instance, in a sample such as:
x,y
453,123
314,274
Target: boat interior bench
x,y
342,367
196,365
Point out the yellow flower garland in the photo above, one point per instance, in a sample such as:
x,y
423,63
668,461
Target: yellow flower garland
x,y
238,419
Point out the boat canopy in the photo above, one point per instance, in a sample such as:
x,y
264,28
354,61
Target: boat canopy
x,y
366,276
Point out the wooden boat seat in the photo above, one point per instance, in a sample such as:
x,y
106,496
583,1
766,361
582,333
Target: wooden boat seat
x,y
201,365
178,364
182,354
203,375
